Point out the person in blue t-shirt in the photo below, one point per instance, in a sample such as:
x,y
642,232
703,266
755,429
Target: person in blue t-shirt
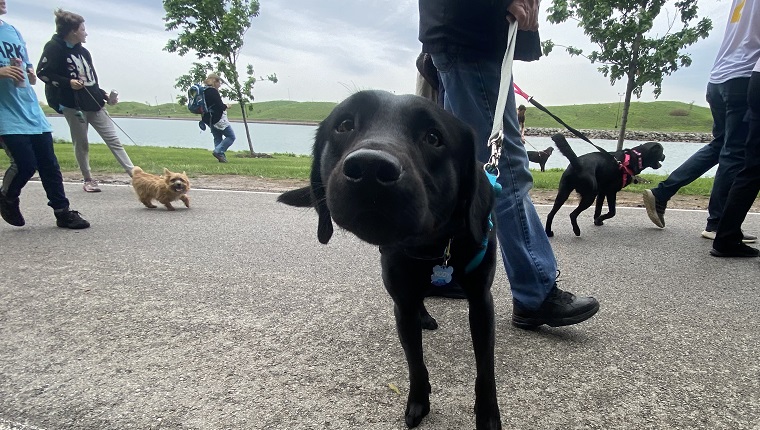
x,y
26,136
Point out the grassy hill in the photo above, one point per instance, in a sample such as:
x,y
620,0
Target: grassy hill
x,y
650,116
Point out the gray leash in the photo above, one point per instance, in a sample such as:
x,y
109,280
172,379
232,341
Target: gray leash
x,y
111,118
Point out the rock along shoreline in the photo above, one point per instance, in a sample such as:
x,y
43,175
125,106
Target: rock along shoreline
x,y
643,136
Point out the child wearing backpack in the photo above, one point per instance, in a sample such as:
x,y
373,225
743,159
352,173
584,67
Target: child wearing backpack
x,y
215,115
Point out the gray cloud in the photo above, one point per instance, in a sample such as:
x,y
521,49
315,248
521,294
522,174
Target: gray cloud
x,y
326,50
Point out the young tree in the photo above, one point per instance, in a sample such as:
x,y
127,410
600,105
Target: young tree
x,y
214,30
628,49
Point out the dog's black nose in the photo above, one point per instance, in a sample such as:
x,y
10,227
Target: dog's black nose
x,y
372,165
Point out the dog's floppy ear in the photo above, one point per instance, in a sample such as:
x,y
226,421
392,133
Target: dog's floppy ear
x,y
476,193
300,197
314,194
480,204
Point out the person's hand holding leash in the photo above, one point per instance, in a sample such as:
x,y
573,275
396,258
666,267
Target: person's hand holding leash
x,y
76,84
525,12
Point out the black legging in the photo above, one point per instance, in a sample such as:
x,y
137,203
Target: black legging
x,y
747,183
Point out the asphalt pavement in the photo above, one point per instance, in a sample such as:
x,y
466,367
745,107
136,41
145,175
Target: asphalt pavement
x,y
230,315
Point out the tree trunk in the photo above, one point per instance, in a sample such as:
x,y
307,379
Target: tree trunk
x,y
247,132
630,85
626,108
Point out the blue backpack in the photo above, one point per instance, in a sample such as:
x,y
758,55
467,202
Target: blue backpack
x,y
196,100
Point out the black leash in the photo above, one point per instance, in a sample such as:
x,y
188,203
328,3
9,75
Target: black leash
x,y
559,120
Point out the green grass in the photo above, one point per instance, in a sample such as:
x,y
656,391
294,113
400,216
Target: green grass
x,y
280,110
198,162
191,160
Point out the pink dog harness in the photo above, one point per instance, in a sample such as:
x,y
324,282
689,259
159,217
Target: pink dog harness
x,y
625,167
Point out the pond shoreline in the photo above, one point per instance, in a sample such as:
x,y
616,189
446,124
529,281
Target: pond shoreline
x,y
641,136
636,135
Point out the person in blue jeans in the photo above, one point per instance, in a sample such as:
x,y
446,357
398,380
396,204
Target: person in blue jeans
x,y
216,117
727,97
467,42
26,136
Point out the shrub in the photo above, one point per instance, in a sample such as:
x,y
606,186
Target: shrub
x,y
679,112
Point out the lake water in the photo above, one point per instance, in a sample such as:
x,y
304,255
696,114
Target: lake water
x,y
298,139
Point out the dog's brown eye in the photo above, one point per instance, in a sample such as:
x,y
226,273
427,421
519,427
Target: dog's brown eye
x,y
433,138
345,126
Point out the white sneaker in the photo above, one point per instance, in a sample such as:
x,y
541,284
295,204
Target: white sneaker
x,y
91,186
747,238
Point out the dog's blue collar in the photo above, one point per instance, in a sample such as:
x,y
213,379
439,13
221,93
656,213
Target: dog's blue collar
x,y
478,258
442,273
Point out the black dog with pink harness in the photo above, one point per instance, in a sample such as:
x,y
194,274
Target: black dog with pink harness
x,y
599,176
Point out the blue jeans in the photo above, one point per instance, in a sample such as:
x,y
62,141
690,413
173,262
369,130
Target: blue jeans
x,y
728,105
29,153
223,139
471,90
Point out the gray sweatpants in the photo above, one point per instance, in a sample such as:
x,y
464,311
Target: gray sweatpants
x,y
103,125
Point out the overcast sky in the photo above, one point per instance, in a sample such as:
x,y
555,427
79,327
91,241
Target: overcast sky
x,y
324,51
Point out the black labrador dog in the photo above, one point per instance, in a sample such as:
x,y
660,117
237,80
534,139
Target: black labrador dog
x,y
401,173
598,176
540,157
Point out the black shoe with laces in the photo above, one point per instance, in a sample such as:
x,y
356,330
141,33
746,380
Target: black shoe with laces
x,y
10,211
70,219
560,308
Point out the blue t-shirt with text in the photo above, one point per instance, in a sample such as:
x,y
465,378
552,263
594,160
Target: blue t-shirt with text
x,y
20,111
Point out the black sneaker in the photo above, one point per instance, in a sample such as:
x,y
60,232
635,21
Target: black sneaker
x,y
655,208
560,308
740,250
70,219
10,211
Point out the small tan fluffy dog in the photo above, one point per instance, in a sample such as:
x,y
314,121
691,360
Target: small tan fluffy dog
x,y
166,189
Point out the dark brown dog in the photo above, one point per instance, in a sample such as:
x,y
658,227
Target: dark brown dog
x,y
540,157
598,176
401,173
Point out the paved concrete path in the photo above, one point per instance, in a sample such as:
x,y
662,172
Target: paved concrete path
x,y
231,315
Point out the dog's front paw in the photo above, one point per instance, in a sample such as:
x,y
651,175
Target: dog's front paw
x,y
487,416
549,233
598,221
488,423
428,322
415,412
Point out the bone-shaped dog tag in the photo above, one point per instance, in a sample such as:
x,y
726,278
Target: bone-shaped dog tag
x,y
441,275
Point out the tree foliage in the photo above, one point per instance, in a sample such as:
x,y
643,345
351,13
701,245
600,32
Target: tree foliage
x,y
628,48
214,31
